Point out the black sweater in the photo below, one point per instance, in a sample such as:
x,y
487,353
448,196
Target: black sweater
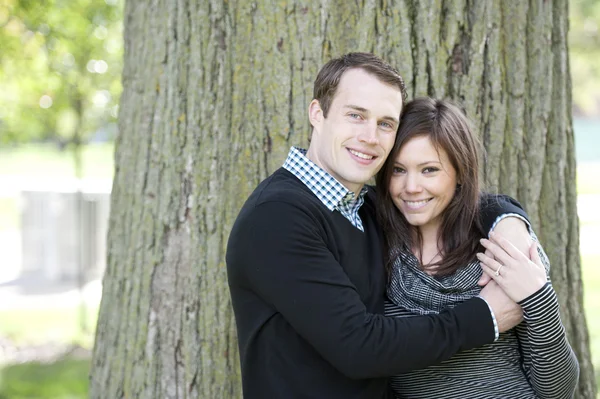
x,y
308,292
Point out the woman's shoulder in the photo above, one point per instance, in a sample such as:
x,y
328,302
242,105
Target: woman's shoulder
x,y
487,199
494,206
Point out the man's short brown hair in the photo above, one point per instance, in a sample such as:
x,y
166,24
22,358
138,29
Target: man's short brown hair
x,y
330,75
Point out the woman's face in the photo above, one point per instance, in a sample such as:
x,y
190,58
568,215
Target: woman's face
x,y
423,182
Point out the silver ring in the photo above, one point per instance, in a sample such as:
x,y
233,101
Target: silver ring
x,y
497,273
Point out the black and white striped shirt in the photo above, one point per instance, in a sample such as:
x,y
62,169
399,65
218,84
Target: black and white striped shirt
x,y
533,360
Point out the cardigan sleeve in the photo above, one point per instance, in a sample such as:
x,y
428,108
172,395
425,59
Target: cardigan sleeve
x,y
293,270
493,206
549,362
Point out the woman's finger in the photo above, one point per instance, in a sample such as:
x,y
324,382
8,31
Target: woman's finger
x,y
489,265
484,279
519,278
498,252
535,256
489,273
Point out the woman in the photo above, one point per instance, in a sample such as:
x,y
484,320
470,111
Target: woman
x,y
428,196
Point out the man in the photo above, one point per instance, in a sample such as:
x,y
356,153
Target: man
x,y
305,265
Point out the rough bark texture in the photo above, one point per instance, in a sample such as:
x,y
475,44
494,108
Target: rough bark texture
x,y
215,92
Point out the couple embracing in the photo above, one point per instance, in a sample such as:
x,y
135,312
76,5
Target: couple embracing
x,y
420,287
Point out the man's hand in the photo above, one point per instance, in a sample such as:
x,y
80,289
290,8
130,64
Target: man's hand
x,y
508,314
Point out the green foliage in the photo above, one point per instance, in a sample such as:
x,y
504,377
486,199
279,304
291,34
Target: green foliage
x,y
61,60
584,52
64,379
60,66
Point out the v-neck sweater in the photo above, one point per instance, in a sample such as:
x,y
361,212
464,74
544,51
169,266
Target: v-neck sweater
x,y
308,291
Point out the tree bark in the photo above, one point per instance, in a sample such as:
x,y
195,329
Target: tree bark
x,y
215,93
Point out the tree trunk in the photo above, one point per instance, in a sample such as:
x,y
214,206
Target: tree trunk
x,y
214,95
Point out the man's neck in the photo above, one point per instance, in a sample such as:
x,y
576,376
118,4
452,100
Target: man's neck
x,y
314,159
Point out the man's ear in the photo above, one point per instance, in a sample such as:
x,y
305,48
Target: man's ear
x,y
315,113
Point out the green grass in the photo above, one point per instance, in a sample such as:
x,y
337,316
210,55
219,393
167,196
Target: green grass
x,y
64,379
37,160
41,161
35,326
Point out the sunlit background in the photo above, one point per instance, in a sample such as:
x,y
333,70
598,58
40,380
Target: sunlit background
x,y
60,64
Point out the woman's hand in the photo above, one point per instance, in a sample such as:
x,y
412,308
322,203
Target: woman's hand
x,y
516,231
511,269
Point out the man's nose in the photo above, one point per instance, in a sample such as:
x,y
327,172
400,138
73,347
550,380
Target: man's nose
x,y
369,134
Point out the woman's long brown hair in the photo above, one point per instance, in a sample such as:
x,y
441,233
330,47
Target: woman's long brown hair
x,y
448,128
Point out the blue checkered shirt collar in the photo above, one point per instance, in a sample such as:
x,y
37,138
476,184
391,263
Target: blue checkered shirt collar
x,y
333,194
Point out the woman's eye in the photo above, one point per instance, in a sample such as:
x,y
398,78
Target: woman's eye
x,y
430,170
398,170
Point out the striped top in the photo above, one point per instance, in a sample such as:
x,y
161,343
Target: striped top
x,y
532,360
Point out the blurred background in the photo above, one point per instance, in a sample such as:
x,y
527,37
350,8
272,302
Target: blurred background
x,y
60,65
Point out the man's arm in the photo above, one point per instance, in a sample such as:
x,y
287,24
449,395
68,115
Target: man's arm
x,y
515,230
494,209
294,272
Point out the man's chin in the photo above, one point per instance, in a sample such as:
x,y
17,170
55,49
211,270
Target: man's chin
x,y
361,180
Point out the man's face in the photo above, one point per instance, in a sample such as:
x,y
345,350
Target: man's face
x,y
353,141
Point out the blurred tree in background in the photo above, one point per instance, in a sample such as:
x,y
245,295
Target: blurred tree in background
x,y
214,94
60,67
584,47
